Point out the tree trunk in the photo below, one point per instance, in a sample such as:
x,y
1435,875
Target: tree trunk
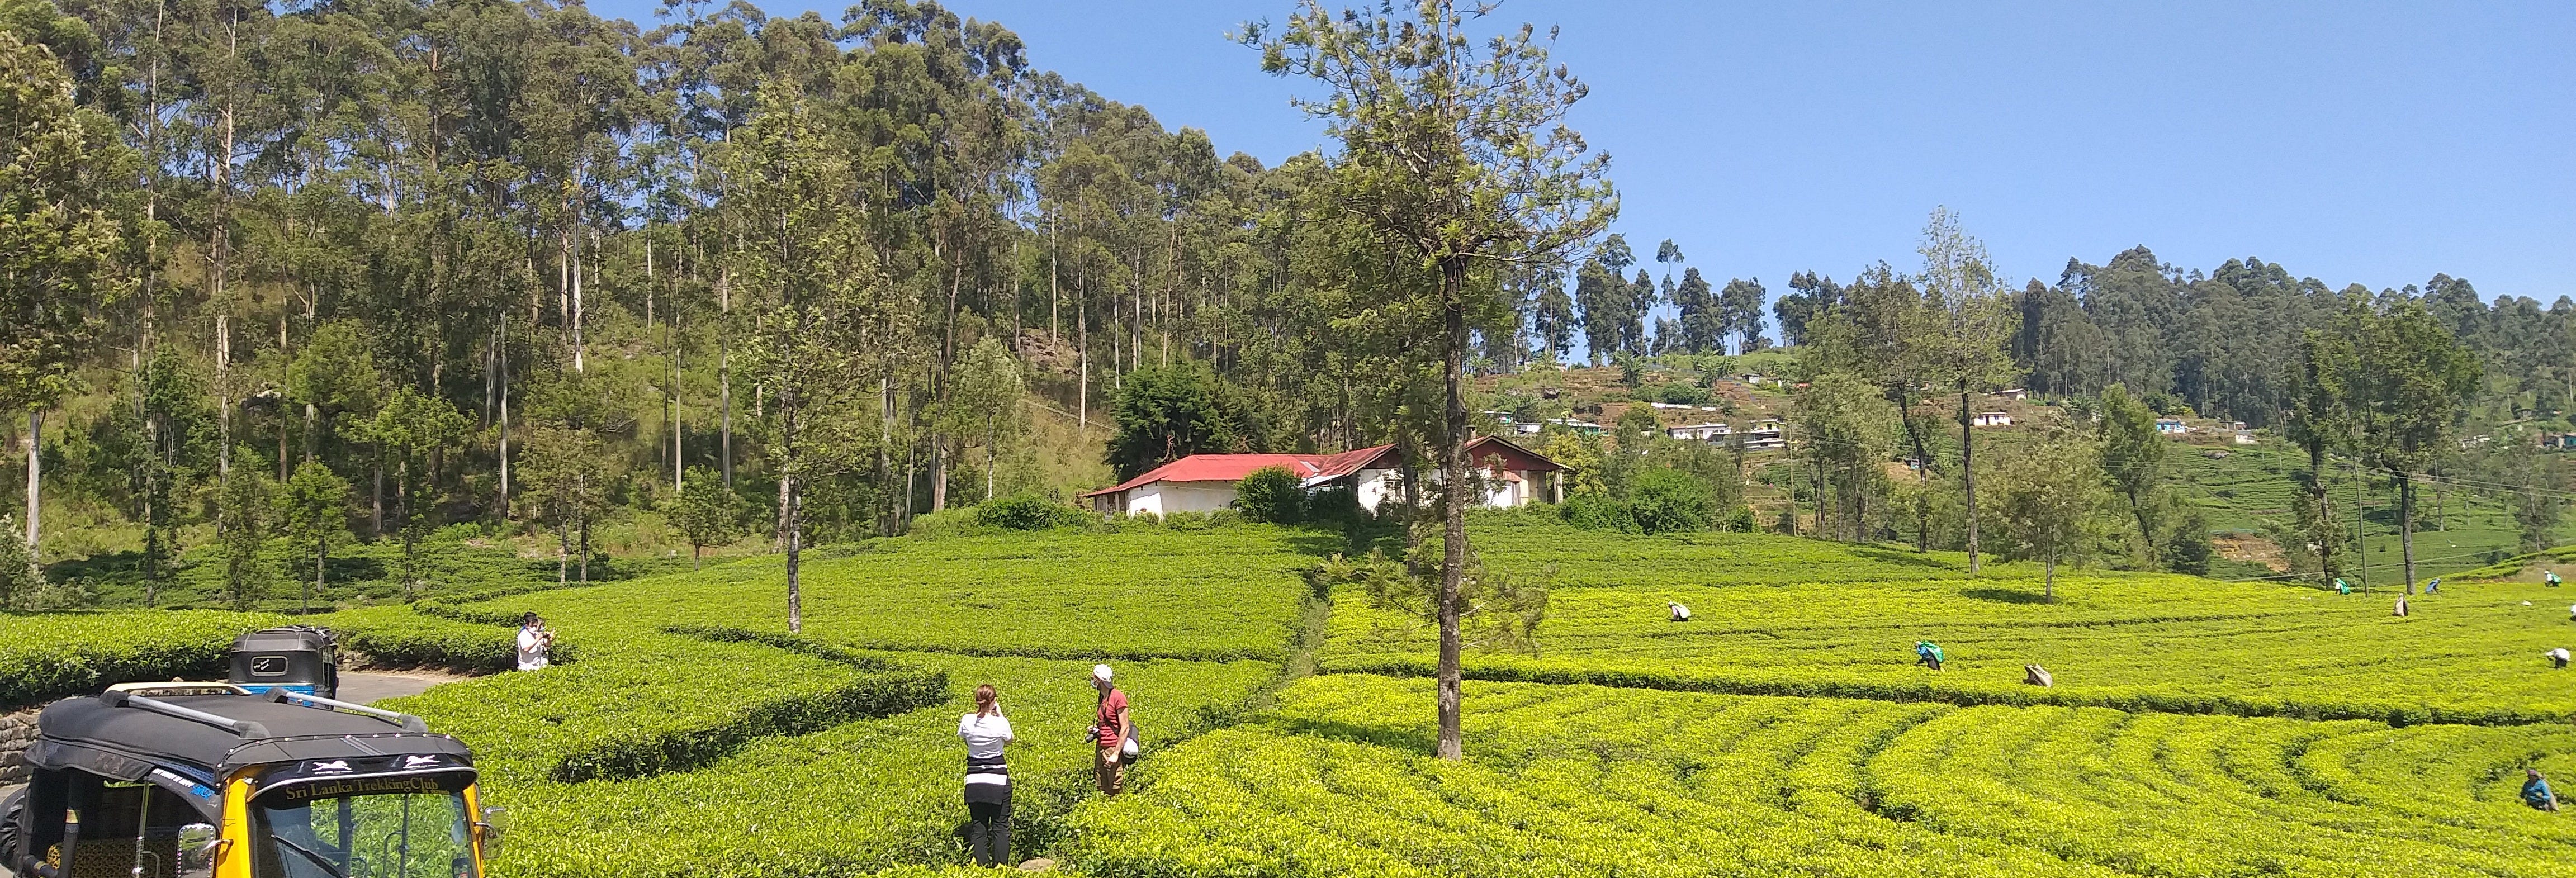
x,y
795,528
376,497
724,371
585,541
1968,478
2360,549
563,554
2406,525
35,483
501,380
321,555
1453,496
2048,579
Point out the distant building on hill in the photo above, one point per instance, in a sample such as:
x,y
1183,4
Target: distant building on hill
x,y
1765,435
2171,426
1714,432
2015,394
1990,419
1514,476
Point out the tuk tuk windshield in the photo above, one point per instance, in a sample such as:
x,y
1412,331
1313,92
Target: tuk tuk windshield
x,y
422,833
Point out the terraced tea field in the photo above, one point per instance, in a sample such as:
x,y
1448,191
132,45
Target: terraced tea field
x,y
2197,728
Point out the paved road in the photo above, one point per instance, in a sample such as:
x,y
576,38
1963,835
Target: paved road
x,y
368,687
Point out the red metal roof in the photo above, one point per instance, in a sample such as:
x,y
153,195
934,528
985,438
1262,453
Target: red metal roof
x,y
1233,467
1486,451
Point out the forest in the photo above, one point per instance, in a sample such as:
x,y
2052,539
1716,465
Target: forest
x,y
366,270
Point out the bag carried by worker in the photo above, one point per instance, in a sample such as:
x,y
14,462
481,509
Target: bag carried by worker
x,y
2037,676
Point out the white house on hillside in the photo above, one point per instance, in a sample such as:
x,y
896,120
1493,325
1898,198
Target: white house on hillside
x,y
1990,419
1514,476
1701,432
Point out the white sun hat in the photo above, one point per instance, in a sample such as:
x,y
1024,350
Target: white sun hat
x,y
1100,672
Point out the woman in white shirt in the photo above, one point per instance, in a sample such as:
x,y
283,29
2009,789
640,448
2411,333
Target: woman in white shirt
x,y
535,643
988,779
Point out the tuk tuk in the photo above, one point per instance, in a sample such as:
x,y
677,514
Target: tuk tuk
x,y
209,780
299,658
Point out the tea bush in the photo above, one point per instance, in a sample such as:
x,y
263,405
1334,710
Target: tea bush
x,y
48,656
1582,781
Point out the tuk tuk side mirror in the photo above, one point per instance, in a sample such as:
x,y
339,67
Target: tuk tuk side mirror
x,y
199,848
489,830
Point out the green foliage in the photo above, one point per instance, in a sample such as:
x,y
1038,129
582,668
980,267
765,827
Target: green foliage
x,y
1500,611
312,511
1579,780
44,657
2049,498
1028,512
1674,393
1168,413
19,576
1271,494
1669,501
65,184
245,514
1591,511
707,514
1783,616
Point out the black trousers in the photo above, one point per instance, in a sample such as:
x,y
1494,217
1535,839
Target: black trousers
x,y
988,832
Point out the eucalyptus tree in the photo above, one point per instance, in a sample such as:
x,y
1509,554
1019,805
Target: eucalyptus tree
x,y
1453,156
63,227
2410,378
1968,321
808,263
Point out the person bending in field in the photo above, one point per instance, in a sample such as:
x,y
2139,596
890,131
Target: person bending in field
x,y
2557,657
1927,654
2535,791
2401,605
535,642
1113,731
1680,613
988,779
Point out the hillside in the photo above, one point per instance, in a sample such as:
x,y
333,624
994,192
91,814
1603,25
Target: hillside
x,y
1784,728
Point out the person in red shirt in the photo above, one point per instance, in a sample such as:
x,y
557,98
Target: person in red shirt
x,y
1112,731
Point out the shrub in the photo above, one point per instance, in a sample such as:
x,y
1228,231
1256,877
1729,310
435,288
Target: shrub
x,y
1674,394
1028,512
1669,501
1598,512
1271,494
1739,520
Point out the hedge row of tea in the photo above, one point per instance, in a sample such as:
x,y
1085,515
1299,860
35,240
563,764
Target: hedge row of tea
x,y
1784,617
693,736
1582,780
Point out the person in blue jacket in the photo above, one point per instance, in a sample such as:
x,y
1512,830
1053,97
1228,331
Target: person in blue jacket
x,y
1927,654
2535,791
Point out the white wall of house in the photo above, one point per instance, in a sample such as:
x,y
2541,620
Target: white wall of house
x,y
1375,486
1165,498
1387,486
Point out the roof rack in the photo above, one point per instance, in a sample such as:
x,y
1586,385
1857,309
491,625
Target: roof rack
x,y
408,722
243,728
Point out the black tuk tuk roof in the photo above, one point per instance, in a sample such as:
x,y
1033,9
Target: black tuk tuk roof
x,y
106,738
292,638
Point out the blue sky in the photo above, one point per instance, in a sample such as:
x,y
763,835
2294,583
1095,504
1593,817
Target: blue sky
x,y
2352,142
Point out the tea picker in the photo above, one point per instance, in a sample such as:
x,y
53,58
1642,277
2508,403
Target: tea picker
x,y
2557,657
1927,654
1680,613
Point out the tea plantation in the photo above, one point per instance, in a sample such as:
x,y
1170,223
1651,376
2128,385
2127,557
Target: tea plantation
x,y
2196,728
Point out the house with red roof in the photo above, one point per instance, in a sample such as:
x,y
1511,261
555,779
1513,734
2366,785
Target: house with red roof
x,y
1512,475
